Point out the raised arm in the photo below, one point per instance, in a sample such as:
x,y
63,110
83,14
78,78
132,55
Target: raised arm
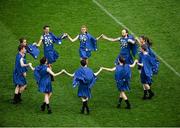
x,y
138,40
64,35
97,38
54,74
72,40
40,41
109,69
110,39
69,74
132,65
98,72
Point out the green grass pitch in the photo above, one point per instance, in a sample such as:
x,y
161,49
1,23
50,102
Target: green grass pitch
x,y
158,19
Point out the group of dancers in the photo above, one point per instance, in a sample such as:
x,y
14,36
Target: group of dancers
x,y
84,77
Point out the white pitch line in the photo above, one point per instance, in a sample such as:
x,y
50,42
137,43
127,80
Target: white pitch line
x,y
124,26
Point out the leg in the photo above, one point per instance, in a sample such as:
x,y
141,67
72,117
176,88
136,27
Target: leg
x,y
120,100
43,106
151,94
87,108
126,100
85,105
15,99
21,89
49,95
46,96
145,92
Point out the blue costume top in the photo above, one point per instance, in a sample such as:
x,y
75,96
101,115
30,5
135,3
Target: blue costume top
x,y
18,77
85,79
43,79
122,77
146,70
87,44
126,49
147,64
49,52
155,61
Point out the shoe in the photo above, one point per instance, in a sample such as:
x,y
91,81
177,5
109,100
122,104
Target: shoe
x,y
49,111
119,105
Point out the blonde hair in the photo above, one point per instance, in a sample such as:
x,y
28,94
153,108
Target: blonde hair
x,y
84,26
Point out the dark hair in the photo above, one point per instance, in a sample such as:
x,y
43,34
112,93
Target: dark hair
x,y
143,37
126,30
46,26
122,60
20,47
83,62
147,40
21,40
43,60
144,47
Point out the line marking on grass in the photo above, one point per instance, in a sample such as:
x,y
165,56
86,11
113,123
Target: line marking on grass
x,y
124,26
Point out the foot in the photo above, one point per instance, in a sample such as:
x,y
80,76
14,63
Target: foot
x,y
42,108
87,112
14,101
128,107
119,105
49,111
144,97
151,95
20,100
82,111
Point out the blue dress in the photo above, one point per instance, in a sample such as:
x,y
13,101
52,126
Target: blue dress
x,y
87,44
146,70
49,52
43,79
127,49
122,77
84,78
18,77
155,61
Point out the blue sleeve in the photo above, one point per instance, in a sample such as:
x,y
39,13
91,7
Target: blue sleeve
x,y
151,53
33,51
77,78
133,47
92,81
92,44
37,74
56,40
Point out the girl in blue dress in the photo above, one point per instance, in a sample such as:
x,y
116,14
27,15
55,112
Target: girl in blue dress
x,y
84,78
42,75
48,39
146,41
127,44
122,78
87,43
146,62
19,73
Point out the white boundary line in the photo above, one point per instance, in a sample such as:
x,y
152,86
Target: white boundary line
x,y
124,26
